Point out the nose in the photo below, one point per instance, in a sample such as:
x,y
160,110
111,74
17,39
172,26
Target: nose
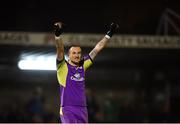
x,y
76,55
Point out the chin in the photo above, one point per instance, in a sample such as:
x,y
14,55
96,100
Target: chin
x,y
76,62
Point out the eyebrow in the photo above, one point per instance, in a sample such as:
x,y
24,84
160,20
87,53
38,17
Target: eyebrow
x,y
77,52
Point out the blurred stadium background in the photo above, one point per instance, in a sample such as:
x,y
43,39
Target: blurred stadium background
x,y
135,79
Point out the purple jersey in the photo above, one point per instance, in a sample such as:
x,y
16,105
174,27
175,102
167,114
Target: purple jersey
x,y
72,82
74,114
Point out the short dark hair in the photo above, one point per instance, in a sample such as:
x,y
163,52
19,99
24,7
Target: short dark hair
x,y
73,45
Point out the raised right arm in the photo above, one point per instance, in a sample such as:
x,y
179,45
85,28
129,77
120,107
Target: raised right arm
x,y
59,48
58,29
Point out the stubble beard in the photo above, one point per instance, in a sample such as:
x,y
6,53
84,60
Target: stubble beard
x,y
76,63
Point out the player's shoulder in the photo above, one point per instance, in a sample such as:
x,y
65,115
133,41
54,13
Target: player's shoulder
x,y
86,57
60,61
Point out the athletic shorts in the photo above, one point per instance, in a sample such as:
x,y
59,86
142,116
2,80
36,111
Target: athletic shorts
x,y
73,114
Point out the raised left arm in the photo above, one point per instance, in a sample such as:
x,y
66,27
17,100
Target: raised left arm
x,y
99,46
102,43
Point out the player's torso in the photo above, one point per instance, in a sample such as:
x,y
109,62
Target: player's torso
x,y
76,74
74,92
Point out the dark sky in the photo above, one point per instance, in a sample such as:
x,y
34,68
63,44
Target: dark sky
x,y
133,16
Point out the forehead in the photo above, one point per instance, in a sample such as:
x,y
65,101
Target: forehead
x,y
75,49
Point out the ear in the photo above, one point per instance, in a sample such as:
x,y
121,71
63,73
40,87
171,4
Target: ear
x,y
68,52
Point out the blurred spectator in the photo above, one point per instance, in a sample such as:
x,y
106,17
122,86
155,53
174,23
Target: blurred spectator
x,y
160,108
126,111
93,107
111,108
35,106
49,115
133,107
13,112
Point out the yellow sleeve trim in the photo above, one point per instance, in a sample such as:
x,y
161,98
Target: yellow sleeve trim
x,y
87,64
62,73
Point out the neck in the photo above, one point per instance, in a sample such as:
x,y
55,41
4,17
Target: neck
x,y
73,63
